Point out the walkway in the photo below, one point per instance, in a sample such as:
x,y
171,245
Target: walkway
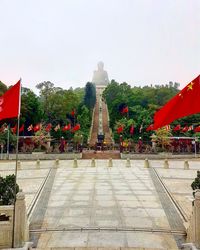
x,y
106,207
105,121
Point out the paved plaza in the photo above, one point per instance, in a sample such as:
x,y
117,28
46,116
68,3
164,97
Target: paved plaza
x,y
106,207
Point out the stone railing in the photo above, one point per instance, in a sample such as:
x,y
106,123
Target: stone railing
x,y
193,230
21,229
91,127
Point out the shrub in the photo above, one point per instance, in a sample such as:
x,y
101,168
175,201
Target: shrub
x,y
7,190
196,183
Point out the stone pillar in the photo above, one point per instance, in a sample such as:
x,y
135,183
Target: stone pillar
x,y
21,234
193,230
196,217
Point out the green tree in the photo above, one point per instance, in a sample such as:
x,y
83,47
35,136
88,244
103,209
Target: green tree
x,y
90,96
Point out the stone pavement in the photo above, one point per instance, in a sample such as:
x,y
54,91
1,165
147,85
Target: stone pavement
x,y
105,207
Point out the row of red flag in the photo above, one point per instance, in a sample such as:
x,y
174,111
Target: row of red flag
x,y
38,127
177,128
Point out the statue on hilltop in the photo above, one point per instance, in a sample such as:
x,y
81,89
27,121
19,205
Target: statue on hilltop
x,y
100,76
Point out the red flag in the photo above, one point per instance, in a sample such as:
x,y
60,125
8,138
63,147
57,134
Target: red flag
x,y
14,129
66,127
37,127
30,128
197,129
57,127
185,103
191,128
120,129
73,112
48,127
21,128
167,127
131,129
10,102
77,127
125,110
185,129
150,128
177,128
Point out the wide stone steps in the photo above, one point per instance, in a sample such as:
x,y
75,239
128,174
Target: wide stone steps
x,y
101,155
96,248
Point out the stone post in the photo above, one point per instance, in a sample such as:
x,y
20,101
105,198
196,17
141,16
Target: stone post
x,y
186,165
166,164
128,163
196,219
93,163
193,229
21,230
146,163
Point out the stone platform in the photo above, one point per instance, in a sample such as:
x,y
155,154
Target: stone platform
x,y
105,207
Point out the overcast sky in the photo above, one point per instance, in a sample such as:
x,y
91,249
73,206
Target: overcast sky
x,y
140,41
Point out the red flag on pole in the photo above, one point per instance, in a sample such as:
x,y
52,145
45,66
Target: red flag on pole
x,y
37,127
185,129
48,127
10,102
21,128
131,129
14,129
125,110
150,127
197,129
120,129
177,128
73,112
77,127
30,128
66,127
185,103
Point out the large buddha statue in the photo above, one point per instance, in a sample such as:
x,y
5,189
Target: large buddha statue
x,y
100,76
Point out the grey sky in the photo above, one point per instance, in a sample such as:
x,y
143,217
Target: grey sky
x,y
140,42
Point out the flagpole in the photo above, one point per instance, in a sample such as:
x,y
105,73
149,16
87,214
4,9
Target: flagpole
x,y
16,161
8,141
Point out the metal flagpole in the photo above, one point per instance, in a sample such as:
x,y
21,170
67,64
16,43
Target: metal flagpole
x,y
8,141
17,150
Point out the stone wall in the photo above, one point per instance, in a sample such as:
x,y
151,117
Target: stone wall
x,y
21,230
6,224
43,156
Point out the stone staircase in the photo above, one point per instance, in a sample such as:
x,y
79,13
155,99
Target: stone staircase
x,y
106,129
101,155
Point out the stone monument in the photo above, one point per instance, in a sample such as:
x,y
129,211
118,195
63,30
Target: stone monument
x,y
100,76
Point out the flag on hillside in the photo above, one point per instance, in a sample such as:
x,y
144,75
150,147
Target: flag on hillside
x,y
149,128
185,129
66,127
4,128
57,127
177,128
167,127
37,127
10,102
185,103
14,129
191,128
73,112
131,129
120,129
197,129
30,128
141,128
21,129
125,110
76,128
48,127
